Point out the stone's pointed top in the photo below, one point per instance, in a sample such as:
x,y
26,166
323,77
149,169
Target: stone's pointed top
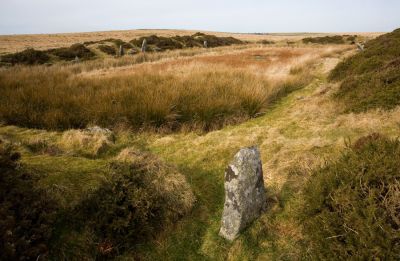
x,y
244,192
121,51
144,45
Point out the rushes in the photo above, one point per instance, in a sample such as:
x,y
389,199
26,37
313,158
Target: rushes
x,y
192,96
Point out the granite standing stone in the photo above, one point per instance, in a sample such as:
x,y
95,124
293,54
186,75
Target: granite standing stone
x,y
144,45
121,50
245,197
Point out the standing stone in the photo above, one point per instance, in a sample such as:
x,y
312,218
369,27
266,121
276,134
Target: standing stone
x,y
121,51
360,47
144,45
245,197
205,44
76,60
133,51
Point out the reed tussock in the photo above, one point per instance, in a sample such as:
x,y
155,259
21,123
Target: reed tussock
x,y
200,97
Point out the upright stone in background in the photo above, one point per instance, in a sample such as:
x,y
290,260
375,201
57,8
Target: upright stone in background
x,y
121,51
205,44
360,46
144,45
245,197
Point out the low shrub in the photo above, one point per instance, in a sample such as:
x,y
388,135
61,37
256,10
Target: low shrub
x,y
336,39
352,205
179,42
27,57
266,42
351,38
107,49
76,50
163,43
135,204
371,79
27,214
117,43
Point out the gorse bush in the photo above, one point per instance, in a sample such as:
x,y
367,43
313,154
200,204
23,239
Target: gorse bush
x,y
27,214
371,79
352,205
27,57
204,99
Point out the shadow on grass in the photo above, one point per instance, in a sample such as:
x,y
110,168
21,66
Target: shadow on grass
x,y
188,238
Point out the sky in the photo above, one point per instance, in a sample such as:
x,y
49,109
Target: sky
x,y
247,16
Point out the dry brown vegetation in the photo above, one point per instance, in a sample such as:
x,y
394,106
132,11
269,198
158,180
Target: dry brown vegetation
x,y
185,89
205,92
16,43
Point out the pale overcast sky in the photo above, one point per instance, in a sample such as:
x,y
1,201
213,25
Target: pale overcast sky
x,y
53,16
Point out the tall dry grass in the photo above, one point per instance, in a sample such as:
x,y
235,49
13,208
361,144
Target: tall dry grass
x,y
199,95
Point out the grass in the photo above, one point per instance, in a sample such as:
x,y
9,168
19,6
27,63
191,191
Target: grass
x,y
277,234
17,43
296,133
87,51
83,187
207,97
370,79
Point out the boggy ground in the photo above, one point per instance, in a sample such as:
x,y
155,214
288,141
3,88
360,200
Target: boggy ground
x,y
295,134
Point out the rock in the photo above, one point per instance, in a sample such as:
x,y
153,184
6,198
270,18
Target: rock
x,y
360,47
144,45
205,44
121,51
157,49
245,197
132,51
